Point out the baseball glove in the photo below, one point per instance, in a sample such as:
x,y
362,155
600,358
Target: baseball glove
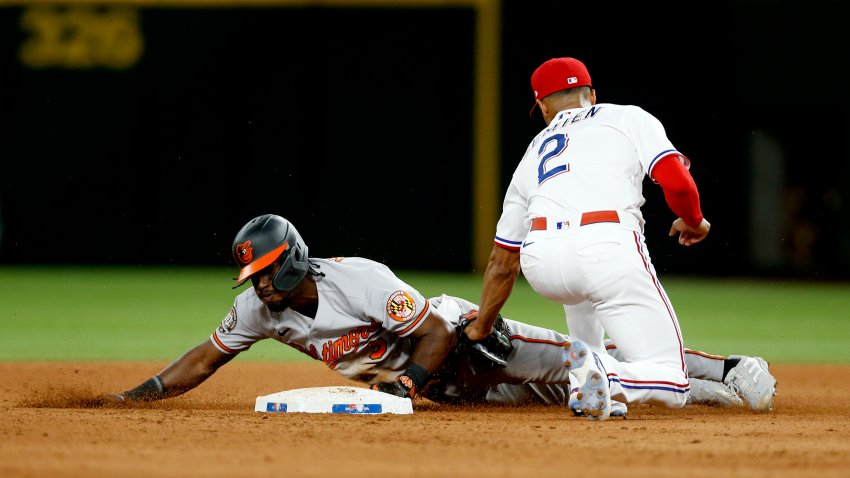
x,y
491,351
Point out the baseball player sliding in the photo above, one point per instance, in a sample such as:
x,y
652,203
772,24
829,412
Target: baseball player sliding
x,y
362,321
571,220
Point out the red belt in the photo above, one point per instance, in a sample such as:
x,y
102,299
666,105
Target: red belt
x,y
594,217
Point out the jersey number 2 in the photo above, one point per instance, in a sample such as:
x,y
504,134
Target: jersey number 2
x,y
560,141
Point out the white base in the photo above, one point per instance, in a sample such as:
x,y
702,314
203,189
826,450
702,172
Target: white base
x,y
351,400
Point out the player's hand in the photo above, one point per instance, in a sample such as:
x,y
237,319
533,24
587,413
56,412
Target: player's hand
x,y
114,398
471,328
398,388
492,350
689,235
108,400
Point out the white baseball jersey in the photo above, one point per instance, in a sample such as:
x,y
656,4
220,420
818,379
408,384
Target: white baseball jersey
x,y
590,163
576,165
364,317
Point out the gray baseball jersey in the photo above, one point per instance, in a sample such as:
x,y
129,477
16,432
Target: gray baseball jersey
x,y
361,327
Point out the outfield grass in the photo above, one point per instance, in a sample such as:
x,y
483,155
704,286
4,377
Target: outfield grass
x,y
149,313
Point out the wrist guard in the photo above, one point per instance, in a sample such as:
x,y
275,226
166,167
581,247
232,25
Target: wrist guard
x,y
151,389
406,385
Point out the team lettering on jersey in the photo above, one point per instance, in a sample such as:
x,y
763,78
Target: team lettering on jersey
x,y
589,113
332,350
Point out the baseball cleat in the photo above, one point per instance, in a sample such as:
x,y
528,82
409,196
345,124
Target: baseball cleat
x,y
593,397
618,409
706,392
572,404
764,366
753,382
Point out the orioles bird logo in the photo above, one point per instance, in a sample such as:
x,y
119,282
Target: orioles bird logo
x,y
245,252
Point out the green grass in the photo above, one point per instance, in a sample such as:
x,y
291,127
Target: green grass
x,y
149,313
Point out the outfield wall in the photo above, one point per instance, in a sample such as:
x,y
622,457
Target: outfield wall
x,y
148,132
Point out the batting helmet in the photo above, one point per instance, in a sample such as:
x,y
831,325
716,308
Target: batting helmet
x,y
261,242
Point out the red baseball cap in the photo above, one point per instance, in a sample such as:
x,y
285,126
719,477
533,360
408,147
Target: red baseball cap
x,y
558,74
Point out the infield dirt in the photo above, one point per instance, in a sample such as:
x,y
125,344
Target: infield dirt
x,y
48,431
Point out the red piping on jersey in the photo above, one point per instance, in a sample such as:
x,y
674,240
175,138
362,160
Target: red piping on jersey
x,y
703,354
223,347
687,351
417,319
666,304
647,382
510,248
536,341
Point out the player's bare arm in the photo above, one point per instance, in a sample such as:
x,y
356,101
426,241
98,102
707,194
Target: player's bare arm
x,y
499,278
192,368
435,338
182,375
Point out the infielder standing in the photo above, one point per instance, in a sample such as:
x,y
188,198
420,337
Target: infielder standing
x,y
571,220
362,321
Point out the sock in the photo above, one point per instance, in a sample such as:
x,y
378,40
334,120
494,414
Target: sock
x,y
728,365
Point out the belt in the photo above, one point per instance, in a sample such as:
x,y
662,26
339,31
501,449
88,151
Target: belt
x,y
594,217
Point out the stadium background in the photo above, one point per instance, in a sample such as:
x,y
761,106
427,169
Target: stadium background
x,y
148,132
137,136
